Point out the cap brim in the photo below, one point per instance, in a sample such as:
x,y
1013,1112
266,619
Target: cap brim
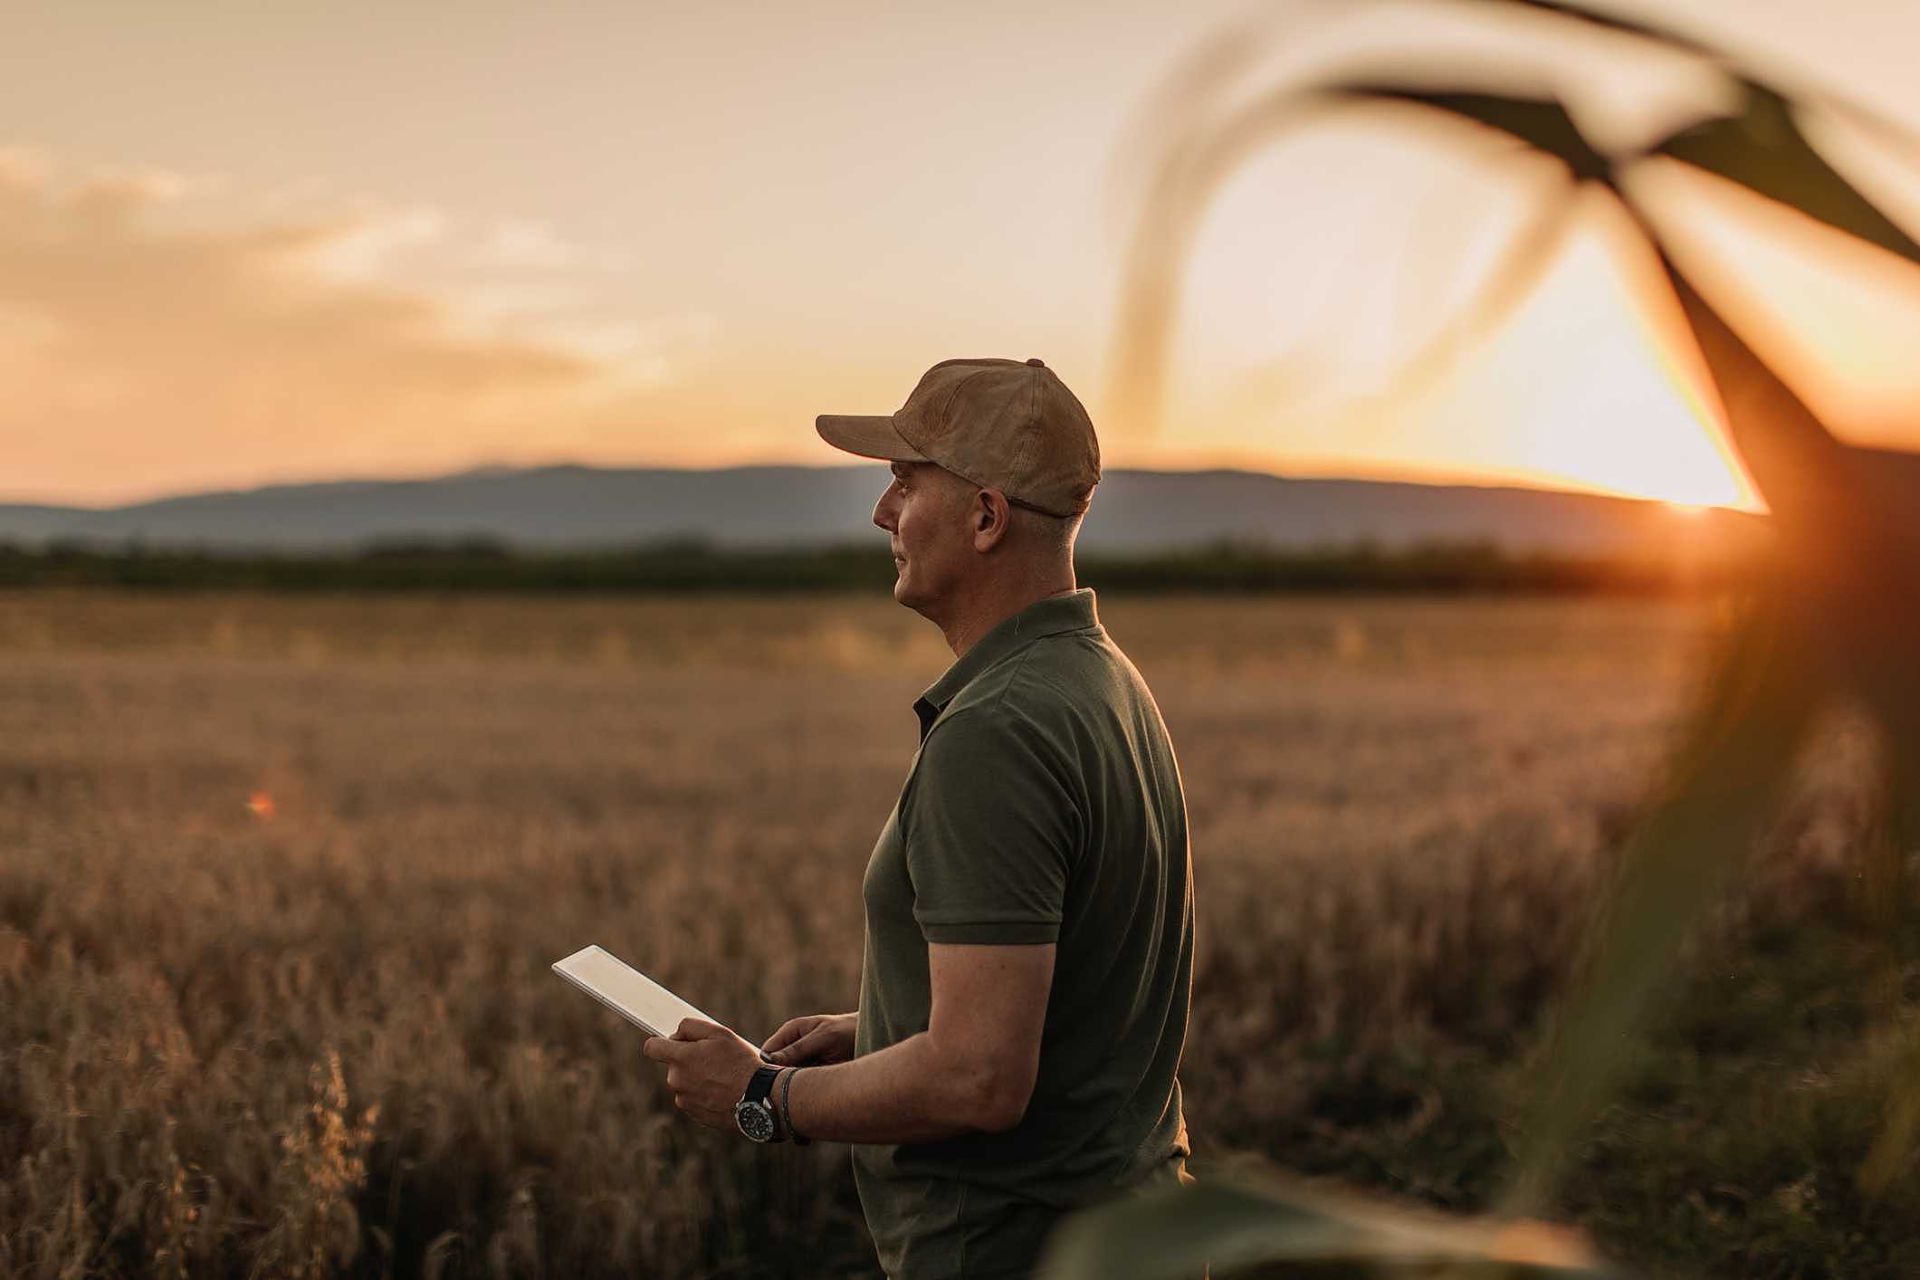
x,y
870,436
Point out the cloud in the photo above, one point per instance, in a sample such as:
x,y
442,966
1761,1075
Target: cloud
x,y
145,350
366,243
521,243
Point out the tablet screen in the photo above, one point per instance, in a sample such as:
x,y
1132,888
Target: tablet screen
x,y
626,990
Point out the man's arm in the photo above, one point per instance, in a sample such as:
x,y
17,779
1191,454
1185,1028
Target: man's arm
x,y
971,1071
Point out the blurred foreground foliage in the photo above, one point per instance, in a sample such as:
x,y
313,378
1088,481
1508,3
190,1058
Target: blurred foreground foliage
x,y
1838,624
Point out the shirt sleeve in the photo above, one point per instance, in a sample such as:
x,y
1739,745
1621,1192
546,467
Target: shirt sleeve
x,y
992,830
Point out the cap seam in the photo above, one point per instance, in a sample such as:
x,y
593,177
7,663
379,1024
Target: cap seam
x,y
946,405
1025,455
954,390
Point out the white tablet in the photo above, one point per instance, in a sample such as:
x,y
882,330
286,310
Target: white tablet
x,y
627,991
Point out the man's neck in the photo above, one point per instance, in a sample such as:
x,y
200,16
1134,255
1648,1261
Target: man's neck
x,y
977,617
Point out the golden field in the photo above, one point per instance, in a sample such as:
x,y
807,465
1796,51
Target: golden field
x,y
283,877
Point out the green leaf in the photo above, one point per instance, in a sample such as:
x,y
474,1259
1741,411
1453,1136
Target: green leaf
x,y
1189,175
1599,18
1764,150
1854,566
1850,545
1720,791
1521,266
1174,1232
1796,463
1847,564
1874,121
1542,123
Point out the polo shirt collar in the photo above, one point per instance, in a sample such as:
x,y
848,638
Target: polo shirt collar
x,y
1069,611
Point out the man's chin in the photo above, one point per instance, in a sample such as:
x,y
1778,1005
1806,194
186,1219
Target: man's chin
x,y
904,591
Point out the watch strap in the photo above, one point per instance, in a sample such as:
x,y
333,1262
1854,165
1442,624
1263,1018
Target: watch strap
x,y
760,1085
754,1101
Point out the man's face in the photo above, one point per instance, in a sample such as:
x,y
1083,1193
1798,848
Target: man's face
x,y
932,544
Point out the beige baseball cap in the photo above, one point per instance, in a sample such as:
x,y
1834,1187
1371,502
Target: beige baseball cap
x,y
1010,425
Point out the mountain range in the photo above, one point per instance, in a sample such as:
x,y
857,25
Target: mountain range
x,y
571,507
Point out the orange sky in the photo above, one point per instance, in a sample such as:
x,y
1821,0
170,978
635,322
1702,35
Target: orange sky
x,y
241,244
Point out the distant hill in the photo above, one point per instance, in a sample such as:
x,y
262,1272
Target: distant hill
x,y
573,507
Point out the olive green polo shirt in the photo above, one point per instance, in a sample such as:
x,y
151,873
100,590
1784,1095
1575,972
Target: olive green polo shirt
x,y
1043,805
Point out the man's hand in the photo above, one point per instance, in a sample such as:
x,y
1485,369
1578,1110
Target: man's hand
x,y
708,1068
816,1038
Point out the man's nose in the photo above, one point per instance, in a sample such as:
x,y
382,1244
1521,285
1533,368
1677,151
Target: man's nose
x,y
883,511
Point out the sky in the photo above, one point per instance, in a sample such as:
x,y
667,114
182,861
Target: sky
x,y
244,244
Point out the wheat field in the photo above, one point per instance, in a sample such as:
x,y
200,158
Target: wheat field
x,y
283,878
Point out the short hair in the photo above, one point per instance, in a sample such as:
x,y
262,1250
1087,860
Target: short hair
x,y
1051,532
1056,533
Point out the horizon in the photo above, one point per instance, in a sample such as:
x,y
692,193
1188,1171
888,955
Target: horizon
x,y
512,468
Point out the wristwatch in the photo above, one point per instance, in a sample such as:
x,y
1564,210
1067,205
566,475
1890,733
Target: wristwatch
x,y
753,1114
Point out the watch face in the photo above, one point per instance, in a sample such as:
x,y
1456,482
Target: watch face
x,y
755,1120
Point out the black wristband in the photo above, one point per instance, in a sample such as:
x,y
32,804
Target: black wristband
x,y
786,1116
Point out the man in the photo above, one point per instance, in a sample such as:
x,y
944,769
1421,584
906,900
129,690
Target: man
x,y
1029,910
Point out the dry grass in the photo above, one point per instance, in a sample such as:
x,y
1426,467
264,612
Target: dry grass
x,y
283,878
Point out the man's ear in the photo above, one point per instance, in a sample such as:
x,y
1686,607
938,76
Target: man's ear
x,y
990,517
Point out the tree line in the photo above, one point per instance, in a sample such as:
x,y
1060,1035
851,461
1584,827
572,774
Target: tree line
x,y
682,565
